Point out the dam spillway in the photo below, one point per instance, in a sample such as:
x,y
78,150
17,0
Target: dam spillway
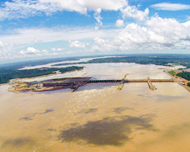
x,y
132,81
148,81
76,82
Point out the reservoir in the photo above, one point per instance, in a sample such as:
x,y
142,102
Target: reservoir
x,y
98,117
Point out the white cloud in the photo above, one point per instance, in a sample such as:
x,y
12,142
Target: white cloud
x,y
83,5
77,44
29,51
45,52
21,38
158,34
2,44
5,54
5,51
32,52
170,6
186,24
36,41
170,29
22,9
102,45
132,11
119,23
26,8
98,18
70,52
57,49
26,36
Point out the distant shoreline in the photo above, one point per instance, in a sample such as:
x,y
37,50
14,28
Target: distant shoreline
x,y
44,75
8,75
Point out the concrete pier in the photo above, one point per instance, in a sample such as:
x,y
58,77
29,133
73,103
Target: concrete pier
x,y
151,86
120,87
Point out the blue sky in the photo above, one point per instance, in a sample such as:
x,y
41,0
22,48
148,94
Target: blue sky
x,y
37,29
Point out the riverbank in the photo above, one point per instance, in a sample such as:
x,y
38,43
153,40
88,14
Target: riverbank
x,y
183,82
10,73
44,76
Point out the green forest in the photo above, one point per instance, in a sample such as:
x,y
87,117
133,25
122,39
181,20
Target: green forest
x,y
188,84
172,72
8,73
165,60
159,59
185,75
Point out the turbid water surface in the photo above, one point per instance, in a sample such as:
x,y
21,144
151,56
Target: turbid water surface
x,y
98,117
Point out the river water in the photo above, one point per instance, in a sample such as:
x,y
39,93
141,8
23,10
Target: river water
x,y
98,117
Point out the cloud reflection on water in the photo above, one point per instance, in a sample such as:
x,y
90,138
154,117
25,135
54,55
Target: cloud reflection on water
x,y
30,116
108,131
16,142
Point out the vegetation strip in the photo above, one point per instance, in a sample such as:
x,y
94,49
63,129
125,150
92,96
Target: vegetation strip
x,y
11,71
8,74
185,75
161,59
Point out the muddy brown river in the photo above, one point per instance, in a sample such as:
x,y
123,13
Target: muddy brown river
x,y
98,117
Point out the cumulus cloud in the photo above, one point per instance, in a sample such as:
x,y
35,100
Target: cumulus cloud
x,y
170,6
26,8
158,34
102,45
19,38
169,28
45,52
98,18
29,51
57,49
2,44
77,44
186,24
119,23
32,52
83,5
132,11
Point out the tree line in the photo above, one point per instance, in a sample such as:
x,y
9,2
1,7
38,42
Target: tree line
x,y
7,74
